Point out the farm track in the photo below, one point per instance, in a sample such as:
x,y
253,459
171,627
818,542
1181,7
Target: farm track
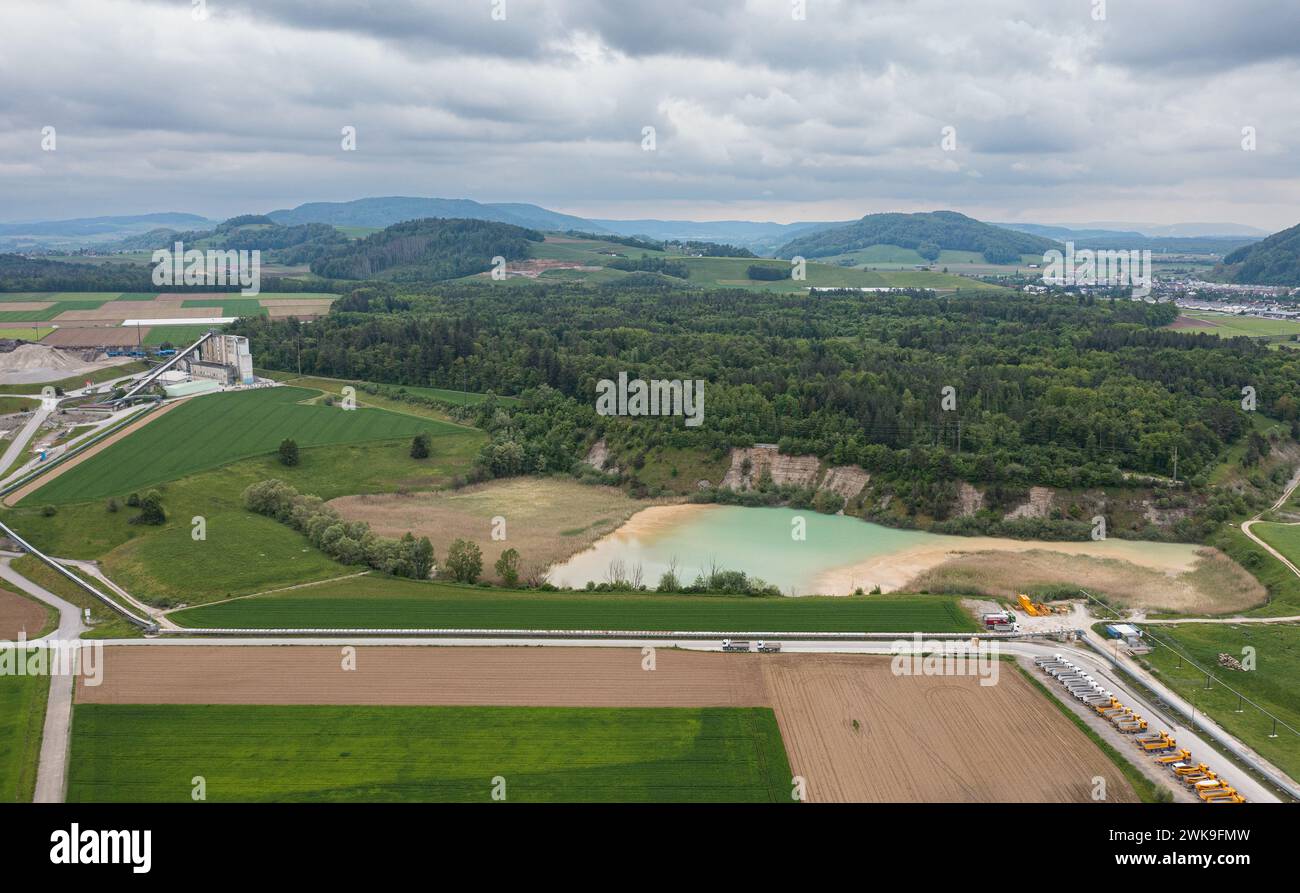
x,y
1247,525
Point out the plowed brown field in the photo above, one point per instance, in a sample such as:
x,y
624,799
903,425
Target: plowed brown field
x,y
517,677
20,615
929,739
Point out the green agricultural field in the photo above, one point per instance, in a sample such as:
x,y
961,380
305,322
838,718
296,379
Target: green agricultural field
x,y
180,336
18,404
1227,325
731,272
77,381
151,753
592,252
297,295
1283,537
229,306
215,429
894,257
389,603
1272,684
25,333
49,312
243,552
22,720
334,387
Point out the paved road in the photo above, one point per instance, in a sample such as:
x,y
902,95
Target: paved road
x,y
1097,665
52,770
19,443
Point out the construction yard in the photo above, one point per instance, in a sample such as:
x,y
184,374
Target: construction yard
x,y
852,729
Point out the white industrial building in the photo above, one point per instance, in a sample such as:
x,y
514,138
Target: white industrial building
x,y
224,359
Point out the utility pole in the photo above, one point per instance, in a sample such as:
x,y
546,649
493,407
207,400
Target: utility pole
x,y
1175,464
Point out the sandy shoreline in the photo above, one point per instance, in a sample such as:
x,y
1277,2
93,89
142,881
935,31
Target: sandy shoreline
x,y
891,572
899,569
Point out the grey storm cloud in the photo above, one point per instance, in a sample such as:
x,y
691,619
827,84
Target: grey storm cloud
x,y
1057,115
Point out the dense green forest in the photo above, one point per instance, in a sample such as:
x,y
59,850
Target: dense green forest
x,y
1061,391
1274,261
299,244
427,250
928,233
22,274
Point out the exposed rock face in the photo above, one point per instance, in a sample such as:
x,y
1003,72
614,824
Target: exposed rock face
x,y
1039,505
800,471
845,481
598,455
969,500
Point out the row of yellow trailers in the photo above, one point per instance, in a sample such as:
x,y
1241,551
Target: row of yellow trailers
x,y
1198,777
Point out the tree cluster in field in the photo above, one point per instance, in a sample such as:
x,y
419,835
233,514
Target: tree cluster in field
x,y
351,542
150,505
768,272
668,266
622,577
1050,390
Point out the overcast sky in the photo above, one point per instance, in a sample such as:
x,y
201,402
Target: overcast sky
x,y
1058,116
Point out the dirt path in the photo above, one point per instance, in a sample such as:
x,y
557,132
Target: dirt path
x,y
18,495
1247,525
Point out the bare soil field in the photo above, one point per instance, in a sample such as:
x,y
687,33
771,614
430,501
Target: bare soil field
x,y
546,519
928,739
416,675
933,739
20,615
96,336
1214,585
18,495
116,311
1189,322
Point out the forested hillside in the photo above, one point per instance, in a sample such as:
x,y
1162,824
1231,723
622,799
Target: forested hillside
x,y
927,234
427,250
1273,261
1054,391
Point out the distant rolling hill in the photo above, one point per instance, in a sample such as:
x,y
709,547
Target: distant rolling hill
x,y
758,237
427,250
927,233
1134,240
382,212
1273,261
